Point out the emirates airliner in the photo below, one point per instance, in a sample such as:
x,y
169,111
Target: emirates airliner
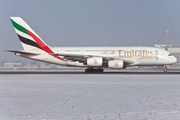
x,y
93,58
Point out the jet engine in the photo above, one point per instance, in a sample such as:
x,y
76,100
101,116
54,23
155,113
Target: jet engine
x,y
117,64
95,61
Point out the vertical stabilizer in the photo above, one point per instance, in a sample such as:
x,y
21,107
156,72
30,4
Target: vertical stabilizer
x,y
29,39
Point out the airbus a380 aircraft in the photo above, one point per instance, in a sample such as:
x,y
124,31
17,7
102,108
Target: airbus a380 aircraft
x,y
94,58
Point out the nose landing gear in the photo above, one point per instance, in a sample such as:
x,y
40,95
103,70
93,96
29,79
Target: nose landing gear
x,y
165,68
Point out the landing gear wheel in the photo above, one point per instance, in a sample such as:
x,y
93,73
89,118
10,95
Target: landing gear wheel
x,y
86,70
93,70
101,70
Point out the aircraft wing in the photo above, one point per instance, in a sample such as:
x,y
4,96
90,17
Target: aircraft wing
x,y
82,58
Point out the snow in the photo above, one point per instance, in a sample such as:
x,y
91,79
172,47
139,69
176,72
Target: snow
x,y
86,97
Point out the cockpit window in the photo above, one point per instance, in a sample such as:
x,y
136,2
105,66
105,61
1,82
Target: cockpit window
x,y
170,55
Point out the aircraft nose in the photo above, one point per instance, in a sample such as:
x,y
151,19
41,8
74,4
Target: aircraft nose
x,y
174,59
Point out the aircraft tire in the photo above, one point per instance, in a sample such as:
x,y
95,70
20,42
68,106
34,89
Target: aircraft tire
x,y
99,70
93,70
87,70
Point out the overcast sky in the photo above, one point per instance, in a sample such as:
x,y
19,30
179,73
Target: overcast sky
x,y
91,22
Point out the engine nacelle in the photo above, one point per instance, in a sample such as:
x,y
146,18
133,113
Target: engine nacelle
x,y
116,64
95,61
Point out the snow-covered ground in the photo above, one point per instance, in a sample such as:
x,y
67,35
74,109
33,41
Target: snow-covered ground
x,y
89,97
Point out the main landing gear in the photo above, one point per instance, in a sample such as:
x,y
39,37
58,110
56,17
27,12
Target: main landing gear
x,y
165,68
91,70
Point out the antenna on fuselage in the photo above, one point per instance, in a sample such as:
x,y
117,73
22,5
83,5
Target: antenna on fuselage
x,y
167,39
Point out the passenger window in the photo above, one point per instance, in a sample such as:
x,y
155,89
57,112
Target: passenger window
x,y
170,55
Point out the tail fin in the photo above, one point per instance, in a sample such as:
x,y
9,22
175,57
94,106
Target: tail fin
x,y
29,39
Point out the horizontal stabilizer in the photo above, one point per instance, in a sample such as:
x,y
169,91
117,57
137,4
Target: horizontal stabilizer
x,y
22,52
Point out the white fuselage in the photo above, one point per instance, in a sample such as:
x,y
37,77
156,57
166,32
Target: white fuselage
x,y
132,56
